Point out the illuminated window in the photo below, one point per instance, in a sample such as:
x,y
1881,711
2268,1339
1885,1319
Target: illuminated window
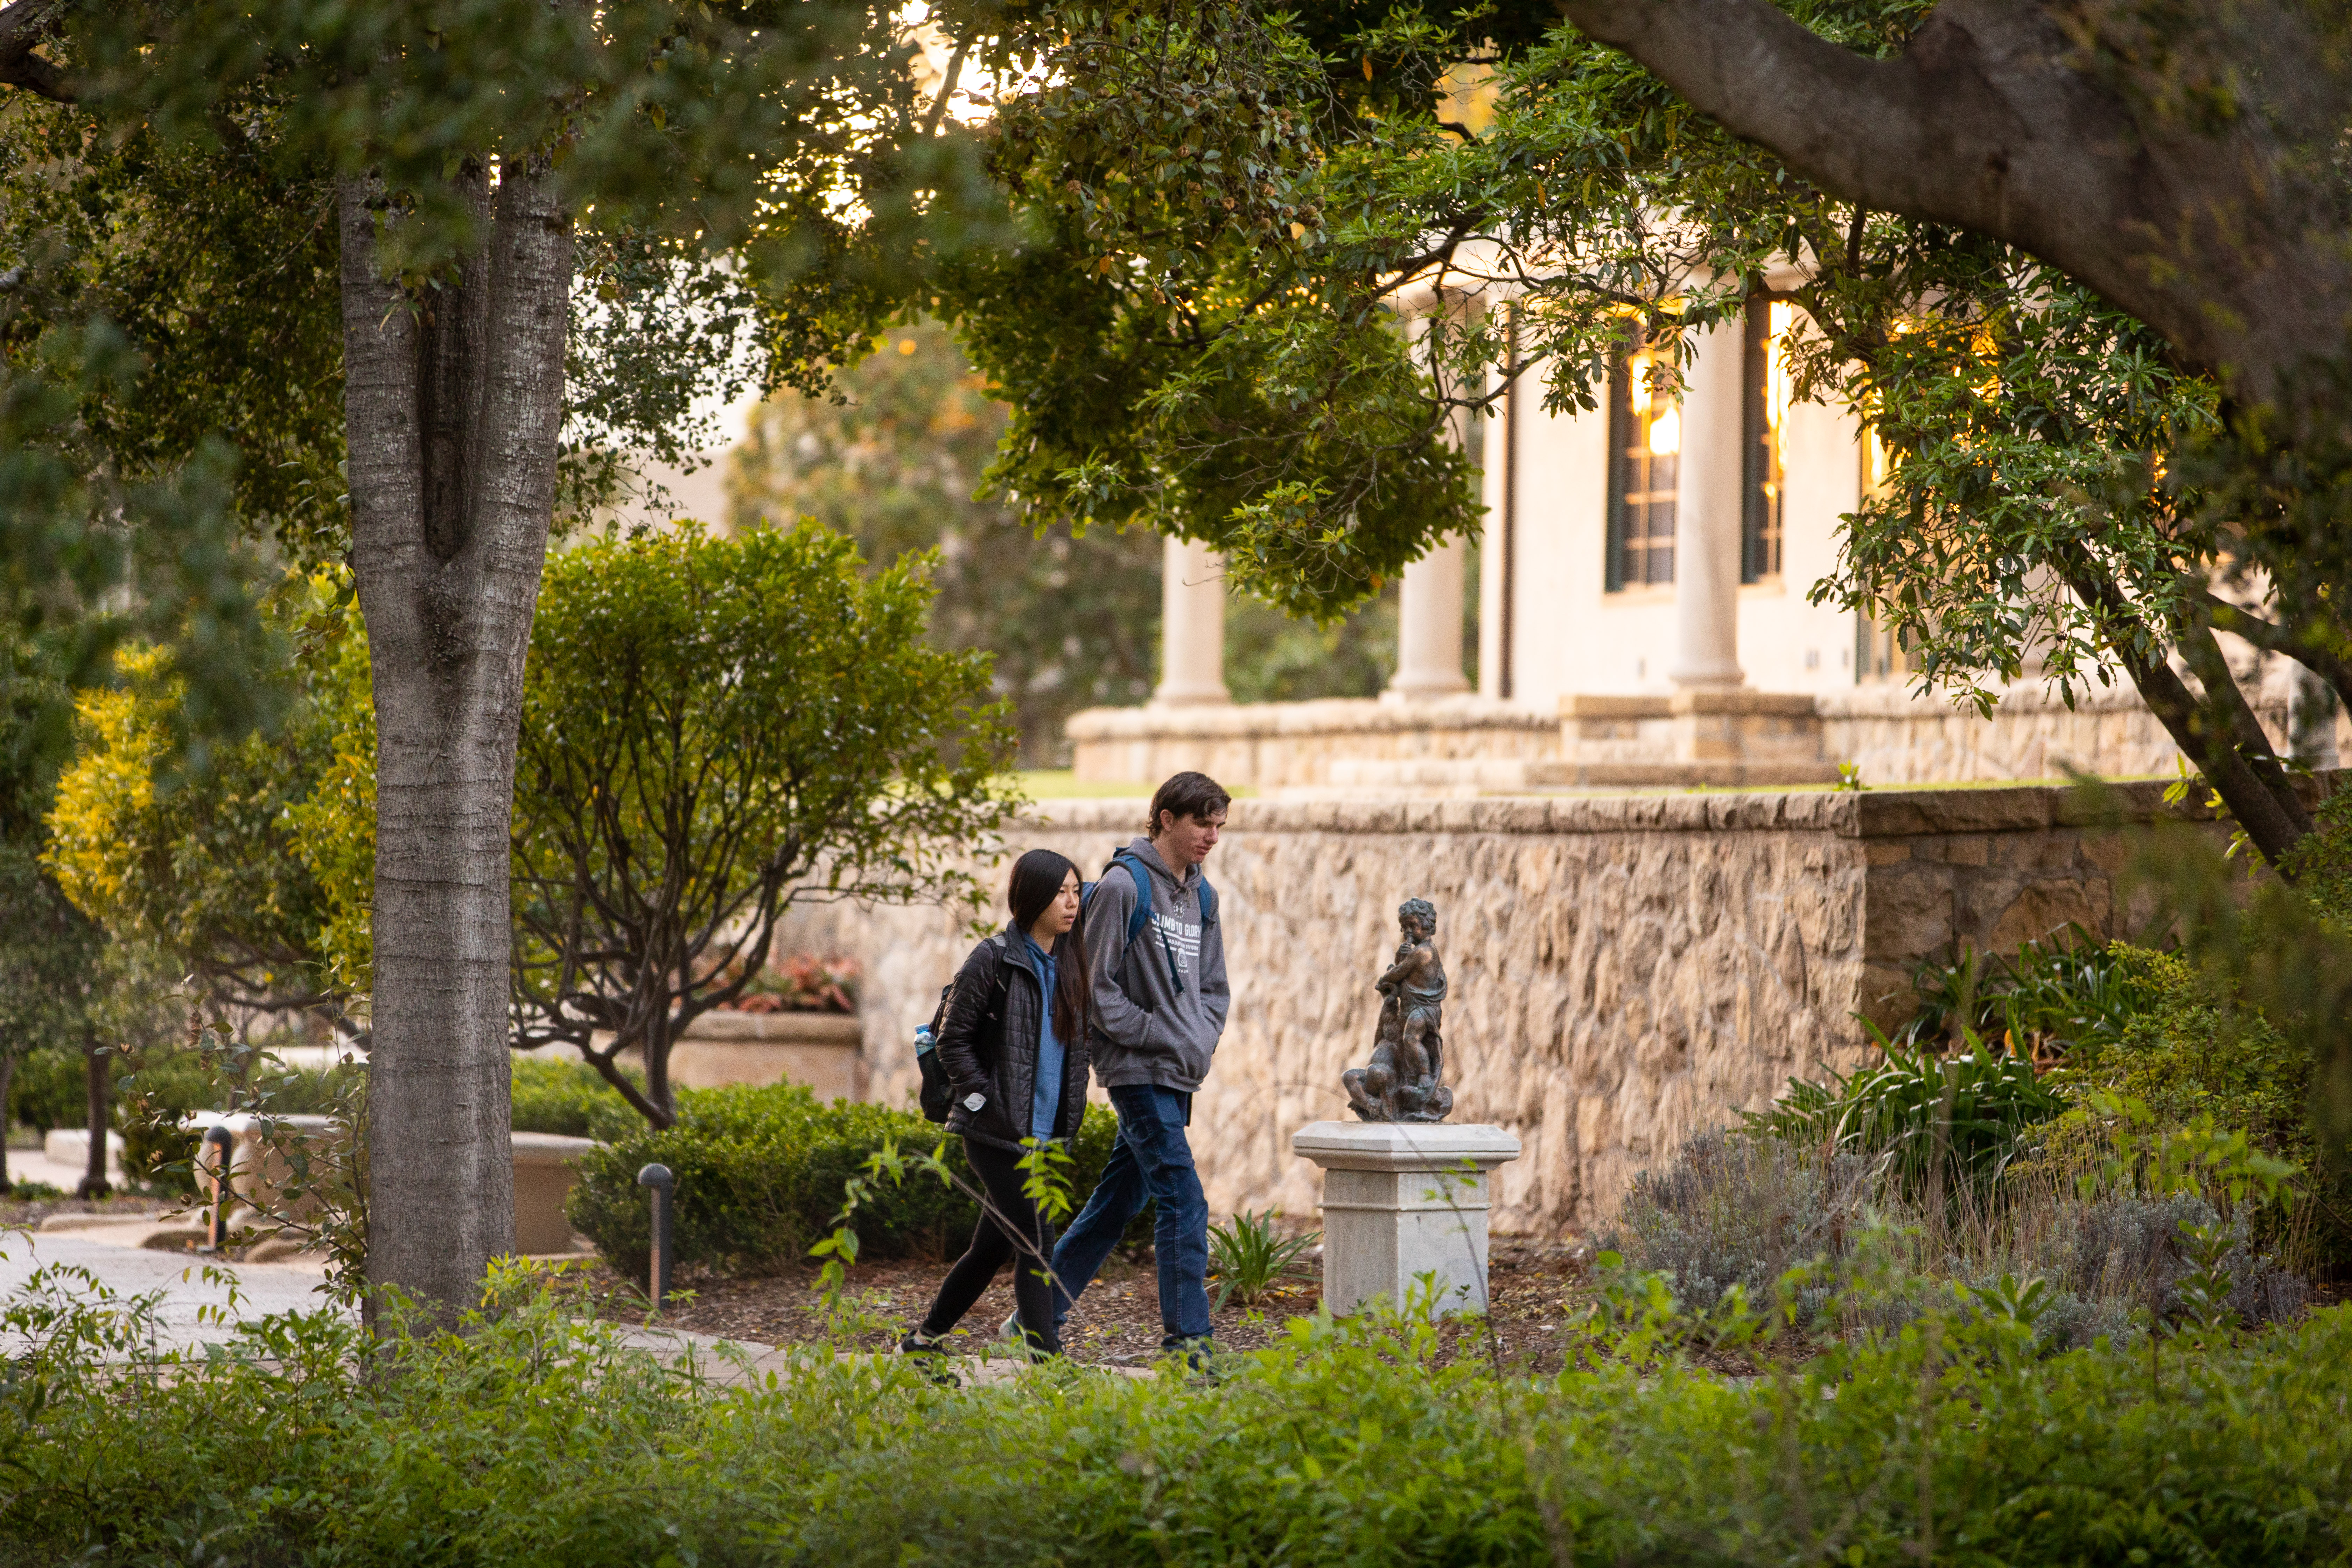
x,y
1764,412
1645,437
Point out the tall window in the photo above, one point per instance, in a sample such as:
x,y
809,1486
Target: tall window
x,y
1645,437
1764,412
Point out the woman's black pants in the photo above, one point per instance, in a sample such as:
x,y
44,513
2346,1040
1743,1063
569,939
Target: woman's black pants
x,y
999,1174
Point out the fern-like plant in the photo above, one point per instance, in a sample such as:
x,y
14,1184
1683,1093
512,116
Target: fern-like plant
x,y
1251,1259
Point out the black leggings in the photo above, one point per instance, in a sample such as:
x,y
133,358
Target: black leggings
x,y
999,1174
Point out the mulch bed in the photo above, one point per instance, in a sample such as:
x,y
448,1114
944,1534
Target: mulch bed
x,y
1538,1286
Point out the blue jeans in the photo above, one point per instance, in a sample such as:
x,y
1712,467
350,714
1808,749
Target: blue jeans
x,y
1152,1159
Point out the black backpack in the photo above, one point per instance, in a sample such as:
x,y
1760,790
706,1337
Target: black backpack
x,y
937,1095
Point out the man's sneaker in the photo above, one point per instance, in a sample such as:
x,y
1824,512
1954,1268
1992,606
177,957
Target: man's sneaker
x,y
1009,1331
931,1359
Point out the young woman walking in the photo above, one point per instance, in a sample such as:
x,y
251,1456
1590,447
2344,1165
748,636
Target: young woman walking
x,y
1013,1042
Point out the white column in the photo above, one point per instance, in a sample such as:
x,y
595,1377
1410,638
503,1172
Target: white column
x,y
1494,557
1707,517
1191,625
1429,624
1429,610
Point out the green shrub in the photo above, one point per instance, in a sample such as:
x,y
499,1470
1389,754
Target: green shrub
x,y
2056,994
759,1175
50,1088
564,1095
1967,1113
538,1438
1741,1211
2189,1050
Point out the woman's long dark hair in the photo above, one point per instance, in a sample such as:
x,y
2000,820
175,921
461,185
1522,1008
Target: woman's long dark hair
x,y
1037,879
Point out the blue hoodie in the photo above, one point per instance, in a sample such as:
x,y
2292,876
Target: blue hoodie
x,y
1050,1054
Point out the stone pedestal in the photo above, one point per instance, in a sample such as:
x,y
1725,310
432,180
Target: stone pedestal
x,y
1726,736
1400,1200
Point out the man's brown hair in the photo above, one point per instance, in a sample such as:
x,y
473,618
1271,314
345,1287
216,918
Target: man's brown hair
x,y
1196,795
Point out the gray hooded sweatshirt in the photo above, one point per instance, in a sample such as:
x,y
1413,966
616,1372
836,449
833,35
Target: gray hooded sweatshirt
x,y
1145,1032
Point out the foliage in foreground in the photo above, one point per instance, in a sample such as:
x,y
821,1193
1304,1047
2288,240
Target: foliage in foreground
x,y
540,1438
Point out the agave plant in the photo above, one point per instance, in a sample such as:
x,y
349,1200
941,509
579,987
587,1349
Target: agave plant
x,y
1251,1259
1960,1115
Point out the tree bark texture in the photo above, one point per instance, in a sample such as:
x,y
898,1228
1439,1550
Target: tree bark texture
x,y
2086,135
101,1107
454,398
7,1082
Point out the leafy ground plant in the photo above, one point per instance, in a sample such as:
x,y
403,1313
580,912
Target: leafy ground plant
x,y
1940,1122
1252,1260
537,1436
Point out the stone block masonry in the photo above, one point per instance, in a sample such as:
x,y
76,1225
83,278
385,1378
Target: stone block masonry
x,y
1626,970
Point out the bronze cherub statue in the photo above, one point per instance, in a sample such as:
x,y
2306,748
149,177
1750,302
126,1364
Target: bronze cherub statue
x,y
1402,1081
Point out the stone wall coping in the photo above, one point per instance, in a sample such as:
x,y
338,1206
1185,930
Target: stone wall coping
x,y
1365,715
549,1148
1894,700
1327,716
1742,699
1881,812
1433,1146
776,1028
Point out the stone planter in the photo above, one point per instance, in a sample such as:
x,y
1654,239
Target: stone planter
x,y
823,1050
545,1166
544,1169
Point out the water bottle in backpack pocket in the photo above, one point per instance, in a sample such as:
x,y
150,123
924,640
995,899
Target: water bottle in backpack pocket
x,y
935,1096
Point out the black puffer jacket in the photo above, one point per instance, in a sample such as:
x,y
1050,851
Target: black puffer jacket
x,y
988,1044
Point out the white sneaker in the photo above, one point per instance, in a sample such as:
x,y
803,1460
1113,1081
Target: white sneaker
x,y
1009,1331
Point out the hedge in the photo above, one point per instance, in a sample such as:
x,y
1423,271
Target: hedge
x,y
761,1172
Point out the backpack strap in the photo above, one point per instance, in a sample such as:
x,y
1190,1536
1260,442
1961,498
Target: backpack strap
x,y
996,984
1142,912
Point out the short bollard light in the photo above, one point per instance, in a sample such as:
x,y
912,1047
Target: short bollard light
x,y
659,1178
222,1143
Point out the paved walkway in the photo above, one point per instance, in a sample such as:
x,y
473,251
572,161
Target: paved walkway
x,y
131,1270
112,1256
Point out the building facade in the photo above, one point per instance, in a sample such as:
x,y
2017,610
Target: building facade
x,y
1644,619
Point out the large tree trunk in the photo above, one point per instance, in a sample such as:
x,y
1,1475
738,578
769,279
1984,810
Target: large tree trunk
x,y
454,401
7,1082
2187,176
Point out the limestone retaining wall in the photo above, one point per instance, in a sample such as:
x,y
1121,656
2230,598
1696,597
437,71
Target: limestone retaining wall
x,y
1624,970
1895,734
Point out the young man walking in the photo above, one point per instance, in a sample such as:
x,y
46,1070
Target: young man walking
x,y
1159,1003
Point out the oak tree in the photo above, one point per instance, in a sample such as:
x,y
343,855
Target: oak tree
x,y
467,147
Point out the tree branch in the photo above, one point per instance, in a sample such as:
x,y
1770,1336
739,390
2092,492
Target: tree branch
x,y
2285,641
1992,119
23,27
2248,798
